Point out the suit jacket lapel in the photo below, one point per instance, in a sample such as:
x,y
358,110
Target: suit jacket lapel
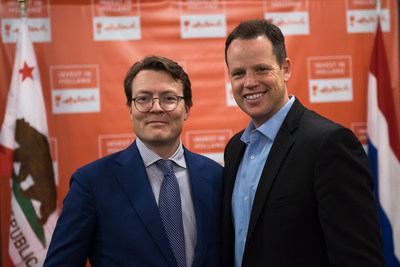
x,y
202,202
233,155
281,146
230,171
131,174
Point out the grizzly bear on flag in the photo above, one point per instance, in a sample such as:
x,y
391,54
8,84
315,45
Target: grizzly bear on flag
x,y
36,169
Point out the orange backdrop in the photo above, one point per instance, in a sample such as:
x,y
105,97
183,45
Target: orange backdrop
x,y
85,47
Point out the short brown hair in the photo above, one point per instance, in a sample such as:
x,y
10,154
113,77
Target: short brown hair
x,y
159,63
252,29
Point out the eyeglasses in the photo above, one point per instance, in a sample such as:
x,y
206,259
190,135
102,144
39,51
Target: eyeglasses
x,y
145,103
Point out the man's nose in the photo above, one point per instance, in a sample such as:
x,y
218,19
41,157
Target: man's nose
x,y
250,80
156,105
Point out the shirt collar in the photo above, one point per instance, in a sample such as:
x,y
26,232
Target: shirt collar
x,y
149,156
271,127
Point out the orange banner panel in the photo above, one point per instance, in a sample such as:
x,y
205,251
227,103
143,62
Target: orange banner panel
x,y
330,68
85,48
34,9
285,5
73,77
365,4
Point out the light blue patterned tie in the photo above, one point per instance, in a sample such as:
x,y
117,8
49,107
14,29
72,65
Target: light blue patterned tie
x,y
170,207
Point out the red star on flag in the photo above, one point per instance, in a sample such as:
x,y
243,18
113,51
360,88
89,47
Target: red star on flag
x,y
26,71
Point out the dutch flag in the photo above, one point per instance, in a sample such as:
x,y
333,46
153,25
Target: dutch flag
x,y
384,149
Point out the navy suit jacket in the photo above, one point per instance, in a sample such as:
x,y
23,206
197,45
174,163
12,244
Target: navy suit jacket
x,y
314,204
110,215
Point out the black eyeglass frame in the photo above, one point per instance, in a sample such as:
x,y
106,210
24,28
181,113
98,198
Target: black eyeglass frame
x,y
160,103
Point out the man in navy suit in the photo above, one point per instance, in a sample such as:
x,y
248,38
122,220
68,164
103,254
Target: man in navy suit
x,y
297,189
111,215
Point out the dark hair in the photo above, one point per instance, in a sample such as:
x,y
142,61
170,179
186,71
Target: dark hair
x,y
159,63
252,29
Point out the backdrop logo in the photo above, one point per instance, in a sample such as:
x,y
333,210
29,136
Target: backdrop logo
x,y
116,28
75,89
198,26
361,16
201,19
290,16
360,130
210,143
38,12
115,20
112,143
330,79
230,100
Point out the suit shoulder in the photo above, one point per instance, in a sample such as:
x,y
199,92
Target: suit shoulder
x,y
102,161
308,120
201,159
318,122
99,166
316,127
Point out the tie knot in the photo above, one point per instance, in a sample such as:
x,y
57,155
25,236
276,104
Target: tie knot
x,y
165,165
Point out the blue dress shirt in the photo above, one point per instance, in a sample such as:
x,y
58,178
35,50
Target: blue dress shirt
x,y
259,142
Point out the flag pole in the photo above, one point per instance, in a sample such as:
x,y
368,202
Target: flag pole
x,y
22,6
378,8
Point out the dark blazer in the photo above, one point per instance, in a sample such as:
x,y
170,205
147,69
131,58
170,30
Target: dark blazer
x,y
314,204
110,215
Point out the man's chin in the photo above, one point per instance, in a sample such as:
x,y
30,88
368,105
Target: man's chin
x,y
160,140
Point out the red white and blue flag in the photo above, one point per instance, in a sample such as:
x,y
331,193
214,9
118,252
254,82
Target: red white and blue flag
x,y
25,160
384,149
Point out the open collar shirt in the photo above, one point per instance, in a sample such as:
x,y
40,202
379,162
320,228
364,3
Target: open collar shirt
x,y
259,142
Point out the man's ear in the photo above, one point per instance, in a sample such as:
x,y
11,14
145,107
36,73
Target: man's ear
x,y
286,69
187,109
130,113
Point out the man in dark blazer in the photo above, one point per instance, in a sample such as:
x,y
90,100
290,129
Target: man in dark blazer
x,y
111,214
297,189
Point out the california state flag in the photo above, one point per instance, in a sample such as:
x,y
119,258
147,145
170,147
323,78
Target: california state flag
x,y
26,160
